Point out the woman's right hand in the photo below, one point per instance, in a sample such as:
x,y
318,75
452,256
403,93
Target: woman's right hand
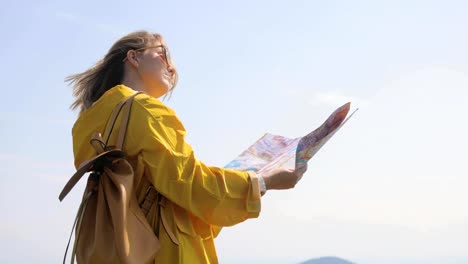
x,y
281,179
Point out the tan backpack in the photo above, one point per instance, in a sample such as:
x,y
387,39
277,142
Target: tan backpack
x,y
110,225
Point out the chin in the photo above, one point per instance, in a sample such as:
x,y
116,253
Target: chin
x,y
157,95
159,91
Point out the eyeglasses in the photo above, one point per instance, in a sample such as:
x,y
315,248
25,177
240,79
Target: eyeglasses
x,y
165,53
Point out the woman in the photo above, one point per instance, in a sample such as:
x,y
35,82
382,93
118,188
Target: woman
x,y
199,199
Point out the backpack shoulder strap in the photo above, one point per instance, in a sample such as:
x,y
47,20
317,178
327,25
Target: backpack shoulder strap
x,y
127,103
124,122
88,165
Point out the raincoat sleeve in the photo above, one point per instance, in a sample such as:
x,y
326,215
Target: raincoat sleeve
x,y
218,196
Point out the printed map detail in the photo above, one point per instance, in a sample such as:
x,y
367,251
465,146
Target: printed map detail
x,y
272,151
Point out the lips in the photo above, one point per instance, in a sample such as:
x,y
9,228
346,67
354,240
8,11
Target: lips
x,y
167,78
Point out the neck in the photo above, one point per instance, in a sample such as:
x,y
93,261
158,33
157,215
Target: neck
x,y
133,83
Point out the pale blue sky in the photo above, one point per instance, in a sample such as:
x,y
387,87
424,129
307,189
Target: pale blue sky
x,y
392,183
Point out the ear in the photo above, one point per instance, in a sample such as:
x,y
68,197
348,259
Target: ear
x,y
132,58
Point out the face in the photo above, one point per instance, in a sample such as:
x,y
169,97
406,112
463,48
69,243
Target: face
x,y
152,68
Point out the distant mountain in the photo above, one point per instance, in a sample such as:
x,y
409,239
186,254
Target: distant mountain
x,y
327,260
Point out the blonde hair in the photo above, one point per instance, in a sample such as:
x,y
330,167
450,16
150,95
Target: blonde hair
x,y
108,72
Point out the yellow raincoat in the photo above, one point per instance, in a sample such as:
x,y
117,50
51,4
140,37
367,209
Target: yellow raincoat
x,y
199,199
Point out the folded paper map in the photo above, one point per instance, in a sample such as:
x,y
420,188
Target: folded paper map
x,y
271,152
